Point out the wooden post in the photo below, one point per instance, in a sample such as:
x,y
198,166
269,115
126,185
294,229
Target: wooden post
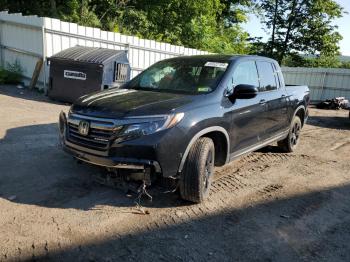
x,y
36,73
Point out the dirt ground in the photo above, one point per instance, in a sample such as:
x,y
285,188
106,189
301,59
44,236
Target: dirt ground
x,y
267,206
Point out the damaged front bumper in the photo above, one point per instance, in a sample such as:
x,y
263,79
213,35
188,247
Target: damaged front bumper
x,y
109,161
138,154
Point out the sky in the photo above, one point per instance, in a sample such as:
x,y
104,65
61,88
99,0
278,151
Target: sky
x,y
254,27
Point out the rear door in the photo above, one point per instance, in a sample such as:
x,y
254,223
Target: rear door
x,y
247,123
274,95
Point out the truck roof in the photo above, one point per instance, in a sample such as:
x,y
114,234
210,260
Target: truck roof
x,y
219,58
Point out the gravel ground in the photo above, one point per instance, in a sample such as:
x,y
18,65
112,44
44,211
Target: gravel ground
x,y
267,206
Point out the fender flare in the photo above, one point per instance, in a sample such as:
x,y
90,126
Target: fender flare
x,y
198,135
297,109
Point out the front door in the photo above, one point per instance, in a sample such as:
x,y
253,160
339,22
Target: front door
x,y
247,115
248,123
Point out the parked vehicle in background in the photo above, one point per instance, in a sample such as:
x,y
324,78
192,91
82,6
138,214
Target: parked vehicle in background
x,y
182,116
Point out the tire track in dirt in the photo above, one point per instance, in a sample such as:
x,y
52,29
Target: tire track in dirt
x,y
228,183
269,190
233,179
235,182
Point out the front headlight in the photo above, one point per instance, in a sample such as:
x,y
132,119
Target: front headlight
x,y
151,125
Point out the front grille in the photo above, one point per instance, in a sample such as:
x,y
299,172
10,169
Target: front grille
x,y
100,136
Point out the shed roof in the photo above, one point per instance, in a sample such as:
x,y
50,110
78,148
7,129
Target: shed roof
x,y
94,55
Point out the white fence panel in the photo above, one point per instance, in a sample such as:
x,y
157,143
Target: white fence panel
x,y
21,40
324,83
29,38
141,52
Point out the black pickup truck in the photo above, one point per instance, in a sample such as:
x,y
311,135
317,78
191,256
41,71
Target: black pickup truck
x,y
182,116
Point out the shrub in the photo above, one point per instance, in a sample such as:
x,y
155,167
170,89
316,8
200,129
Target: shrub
x,y
3,76
12,74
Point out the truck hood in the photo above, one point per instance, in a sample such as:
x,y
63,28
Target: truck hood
x,y
119,103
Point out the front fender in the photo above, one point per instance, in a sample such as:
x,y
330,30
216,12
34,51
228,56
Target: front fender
x,y
200,134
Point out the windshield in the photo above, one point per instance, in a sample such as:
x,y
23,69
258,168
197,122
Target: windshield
x,y
182,76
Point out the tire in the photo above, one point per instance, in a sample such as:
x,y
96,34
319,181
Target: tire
x,y
290,143
195,180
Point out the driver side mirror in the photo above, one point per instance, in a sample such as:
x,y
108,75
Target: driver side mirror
x,y
243,91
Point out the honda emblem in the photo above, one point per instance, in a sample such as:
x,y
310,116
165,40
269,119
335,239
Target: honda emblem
x,y
84,127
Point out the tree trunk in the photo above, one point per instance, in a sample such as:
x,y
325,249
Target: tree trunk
x,y
291,19
273,29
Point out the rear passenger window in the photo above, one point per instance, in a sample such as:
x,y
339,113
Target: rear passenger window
x,y
267,76
246,73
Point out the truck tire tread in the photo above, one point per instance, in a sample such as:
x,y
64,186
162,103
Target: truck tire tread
x,y
191,180
285,144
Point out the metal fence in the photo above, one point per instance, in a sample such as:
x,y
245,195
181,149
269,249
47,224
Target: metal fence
x,y
324,83
29,38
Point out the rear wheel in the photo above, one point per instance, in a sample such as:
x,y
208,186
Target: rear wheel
x,y
198,171
290,143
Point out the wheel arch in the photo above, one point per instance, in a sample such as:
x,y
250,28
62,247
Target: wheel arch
x,y
300,111
219,135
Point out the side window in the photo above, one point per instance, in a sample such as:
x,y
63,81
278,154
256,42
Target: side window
x,y
267,76
245,73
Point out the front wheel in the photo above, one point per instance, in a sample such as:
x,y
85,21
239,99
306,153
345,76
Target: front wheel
x,y
290,143
198,171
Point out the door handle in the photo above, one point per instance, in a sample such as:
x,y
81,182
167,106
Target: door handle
x,y
262,102
283,95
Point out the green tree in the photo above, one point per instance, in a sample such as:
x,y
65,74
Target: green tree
x,y
77,11
211,25
301,27
202,24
